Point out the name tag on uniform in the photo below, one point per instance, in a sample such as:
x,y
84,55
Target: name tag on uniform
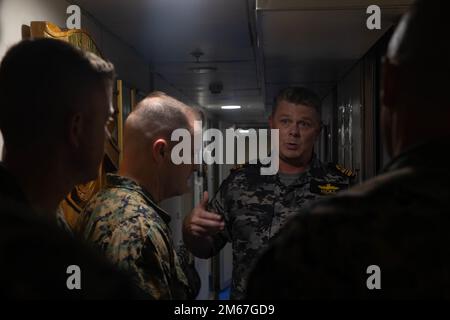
x,y
326,188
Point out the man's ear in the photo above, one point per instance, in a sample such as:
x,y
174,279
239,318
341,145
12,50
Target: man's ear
x,y
76,129
390,84
160,150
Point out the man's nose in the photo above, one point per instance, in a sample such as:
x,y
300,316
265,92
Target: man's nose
x,y
294,131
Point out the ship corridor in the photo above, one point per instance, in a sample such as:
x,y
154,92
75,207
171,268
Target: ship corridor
x,y
241,53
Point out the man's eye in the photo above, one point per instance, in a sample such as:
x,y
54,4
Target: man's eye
x,y
305,124
284,121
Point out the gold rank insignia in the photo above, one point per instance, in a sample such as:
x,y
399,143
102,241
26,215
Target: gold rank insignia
x,y
328,189
345,171
237,167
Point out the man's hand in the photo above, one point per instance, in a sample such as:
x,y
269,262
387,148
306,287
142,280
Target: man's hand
x,y
201,223
199,227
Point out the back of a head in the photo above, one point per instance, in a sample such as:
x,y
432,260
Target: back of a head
x,y
420,46
41,82
157,116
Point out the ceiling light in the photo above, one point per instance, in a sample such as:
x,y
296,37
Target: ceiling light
x,y
197,54
230,107
202,70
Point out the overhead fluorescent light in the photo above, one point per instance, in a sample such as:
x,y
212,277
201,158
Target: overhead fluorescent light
x,y
230,107
202,70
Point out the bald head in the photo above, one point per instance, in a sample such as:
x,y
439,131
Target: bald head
x,y
155,117
148,145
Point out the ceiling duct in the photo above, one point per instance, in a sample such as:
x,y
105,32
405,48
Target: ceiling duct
x,y
293,5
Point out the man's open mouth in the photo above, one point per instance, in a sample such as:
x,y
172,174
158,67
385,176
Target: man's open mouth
x,y
292,146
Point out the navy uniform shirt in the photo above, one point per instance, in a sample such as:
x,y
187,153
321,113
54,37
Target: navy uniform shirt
x,y
256,206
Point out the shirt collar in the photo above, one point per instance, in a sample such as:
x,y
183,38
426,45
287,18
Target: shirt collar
x,y
114,180
314,168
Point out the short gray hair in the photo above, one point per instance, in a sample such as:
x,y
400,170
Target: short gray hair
x,y
158,115
298,96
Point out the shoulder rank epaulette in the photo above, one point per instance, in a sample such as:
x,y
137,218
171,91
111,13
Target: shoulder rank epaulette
x,y
345,171
237,167
252,166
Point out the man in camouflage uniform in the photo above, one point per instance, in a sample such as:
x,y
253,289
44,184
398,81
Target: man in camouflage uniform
x,y
250,208
53,141
124,219
389,237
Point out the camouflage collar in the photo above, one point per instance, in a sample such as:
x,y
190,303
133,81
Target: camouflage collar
x,y
315,168
116,181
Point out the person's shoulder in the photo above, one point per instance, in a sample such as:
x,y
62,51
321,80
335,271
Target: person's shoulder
x,y
131,231
330,178
245,169
340,170
383,201
120,211
106,197
252,169
380,185
115,198
363,198
241,175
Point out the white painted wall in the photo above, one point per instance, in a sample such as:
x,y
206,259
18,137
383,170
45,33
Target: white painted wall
x,y
130,67
15,13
